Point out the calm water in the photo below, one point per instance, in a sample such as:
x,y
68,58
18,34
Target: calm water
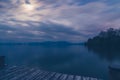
x,y
77,60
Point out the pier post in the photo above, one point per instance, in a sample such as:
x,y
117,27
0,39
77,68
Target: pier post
x,y
2,61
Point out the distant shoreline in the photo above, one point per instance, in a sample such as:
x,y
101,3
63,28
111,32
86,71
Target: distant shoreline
x,y
40,43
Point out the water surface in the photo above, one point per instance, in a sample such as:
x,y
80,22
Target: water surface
x,y
77,60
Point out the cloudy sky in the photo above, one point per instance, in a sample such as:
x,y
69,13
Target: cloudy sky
x,y
56,20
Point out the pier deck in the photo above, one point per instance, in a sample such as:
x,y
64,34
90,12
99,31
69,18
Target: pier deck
x,y
25,73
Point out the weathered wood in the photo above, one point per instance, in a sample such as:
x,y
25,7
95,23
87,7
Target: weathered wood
x,y
25,73
63,77
78,78
40,77
37,76
95,79
7,70
86,78
33,75
49,76
56,77
7,76
70,77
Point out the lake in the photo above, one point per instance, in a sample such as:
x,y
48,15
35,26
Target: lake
x,y
75,59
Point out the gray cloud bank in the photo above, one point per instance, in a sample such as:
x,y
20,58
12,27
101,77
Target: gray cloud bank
x,y
56,20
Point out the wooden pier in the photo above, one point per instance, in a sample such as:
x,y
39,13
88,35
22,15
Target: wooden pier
x,y
25,73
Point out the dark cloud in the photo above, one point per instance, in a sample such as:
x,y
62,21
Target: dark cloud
x,y
111,2
83,2
5,28
4,0
52,20
58,28
47,32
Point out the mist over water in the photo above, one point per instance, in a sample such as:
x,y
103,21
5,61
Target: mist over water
x,y
75,59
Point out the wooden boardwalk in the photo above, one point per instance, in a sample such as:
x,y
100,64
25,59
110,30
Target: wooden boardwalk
x,y
24,73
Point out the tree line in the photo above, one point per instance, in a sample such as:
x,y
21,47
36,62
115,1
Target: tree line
x,y
108,38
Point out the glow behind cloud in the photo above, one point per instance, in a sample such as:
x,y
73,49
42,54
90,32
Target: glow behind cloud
x,y
28,7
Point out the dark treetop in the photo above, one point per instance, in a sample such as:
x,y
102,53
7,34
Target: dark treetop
x,y
109,38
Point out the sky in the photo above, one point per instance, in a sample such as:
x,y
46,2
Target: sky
x,y
56,20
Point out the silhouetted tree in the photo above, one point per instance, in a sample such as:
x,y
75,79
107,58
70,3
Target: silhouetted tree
x,y
109,38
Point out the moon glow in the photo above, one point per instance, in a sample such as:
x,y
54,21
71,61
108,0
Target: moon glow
x,y
28,7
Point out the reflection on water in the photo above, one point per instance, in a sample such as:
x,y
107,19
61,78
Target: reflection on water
x,y
111,54
78,60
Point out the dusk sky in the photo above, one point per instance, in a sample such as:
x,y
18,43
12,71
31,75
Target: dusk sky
x,y
56,20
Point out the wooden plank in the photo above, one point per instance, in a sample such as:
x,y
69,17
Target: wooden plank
x,y
40,77
77,78
26,74
86,78
36,76
63,77
49,76
23,74
70,77
10,75
7,70
10,68
33,75
95,79
56,76
14,74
